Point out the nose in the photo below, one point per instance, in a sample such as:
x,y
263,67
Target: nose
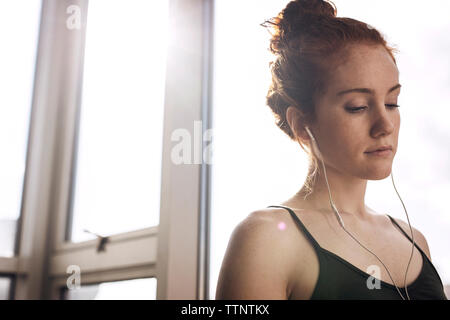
x,y
383,122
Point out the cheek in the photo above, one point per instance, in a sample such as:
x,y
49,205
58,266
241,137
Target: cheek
x,y
397,133
397,122
349,143
396,118
345,141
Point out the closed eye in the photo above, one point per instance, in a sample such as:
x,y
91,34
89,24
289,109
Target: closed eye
x,y
356,110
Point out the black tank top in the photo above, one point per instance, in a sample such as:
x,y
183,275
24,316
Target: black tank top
x,y
339,280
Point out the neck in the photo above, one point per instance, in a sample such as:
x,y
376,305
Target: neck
x,y
347,193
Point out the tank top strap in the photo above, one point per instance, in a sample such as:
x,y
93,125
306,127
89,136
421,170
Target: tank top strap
x,y
406,235
420,250
301,226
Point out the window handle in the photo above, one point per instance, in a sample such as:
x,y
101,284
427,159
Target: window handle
x,y
103,240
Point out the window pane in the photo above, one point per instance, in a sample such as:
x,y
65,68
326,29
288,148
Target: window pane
x,y
137,289
17,62
5,286
117,183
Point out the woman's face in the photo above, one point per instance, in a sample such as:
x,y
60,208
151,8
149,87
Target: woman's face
x,y
345,135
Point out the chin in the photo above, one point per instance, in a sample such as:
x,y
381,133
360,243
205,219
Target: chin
x,y
379,177
379,173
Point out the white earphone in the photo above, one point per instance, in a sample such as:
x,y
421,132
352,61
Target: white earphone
x,y
341,222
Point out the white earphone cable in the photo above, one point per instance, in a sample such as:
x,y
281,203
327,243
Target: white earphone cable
x,y
412,235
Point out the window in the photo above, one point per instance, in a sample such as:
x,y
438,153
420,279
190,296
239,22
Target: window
x,y
256,164
17,59
118,164
136,289
110,150
5,287
96,135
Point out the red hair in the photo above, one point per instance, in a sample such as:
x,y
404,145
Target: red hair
x,y
308,40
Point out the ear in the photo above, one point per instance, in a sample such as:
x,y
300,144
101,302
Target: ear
x,y
297,123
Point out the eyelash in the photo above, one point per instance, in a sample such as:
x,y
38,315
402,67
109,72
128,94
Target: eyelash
x,y
356,110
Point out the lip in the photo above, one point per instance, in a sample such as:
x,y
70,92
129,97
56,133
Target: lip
x,y
382,148
380,153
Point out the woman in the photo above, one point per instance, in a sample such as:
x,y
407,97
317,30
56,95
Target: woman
x,y
337,78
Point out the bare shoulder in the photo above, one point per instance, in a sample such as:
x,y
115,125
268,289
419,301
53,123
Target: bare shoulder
x,y
258,260
419,238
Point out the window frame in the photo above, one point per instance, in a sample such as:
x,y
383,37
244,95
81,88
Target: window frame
x,y
18,266
182,236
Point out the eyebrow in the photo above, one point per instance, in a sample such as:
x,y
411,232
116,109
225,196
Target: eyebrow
x,y
366,90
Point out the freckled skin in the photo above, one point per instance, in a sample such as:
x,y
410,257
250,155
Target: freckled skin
x,y
343,137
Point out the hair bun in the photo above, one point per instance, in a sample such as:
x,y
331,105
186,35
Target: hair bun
x,y
293,19
299,9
